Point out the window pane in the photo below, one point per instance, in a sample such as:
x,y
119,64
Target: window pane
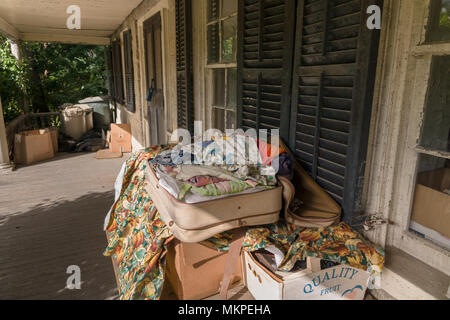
x,y
231,120
440,20
213,43
231,87
229,39
219,87
213,10
219,119
436,126
431,198
229,7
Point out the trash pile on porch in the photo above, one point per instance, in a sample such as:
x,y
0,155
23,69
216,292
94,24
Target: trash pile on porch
x,y
178,218
83,127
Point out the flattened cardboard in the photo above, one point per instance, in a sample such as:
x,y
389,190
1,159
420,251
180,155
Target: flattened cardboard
x,y
120,138
33,146
107,154
431,206
195,270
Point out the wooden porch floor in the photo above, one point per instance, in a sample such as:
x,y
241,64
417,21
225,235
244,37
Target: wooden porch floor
x,y
51,217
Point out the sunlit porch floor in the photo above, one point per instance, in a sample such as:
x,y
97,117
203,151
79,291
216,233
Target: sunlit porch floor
x,y
51,217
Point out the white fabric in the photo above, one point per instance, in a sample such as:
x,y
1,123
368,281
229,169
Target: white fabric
x,y
117,189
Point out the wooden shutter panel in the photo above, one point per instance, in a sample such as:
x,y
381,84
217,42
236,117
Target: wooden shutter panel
x,y
109,70
129,71
334,73
185,109
265,42
117,68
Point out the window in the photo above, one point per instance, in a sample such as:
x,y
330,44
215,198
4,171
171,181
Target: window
x,y
221,61
439,21
430,216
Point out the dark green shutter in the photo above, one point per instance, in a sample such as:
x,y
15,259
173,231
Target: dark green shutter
x,y
334,72
129,70
109,70
265,49
185,101
117,69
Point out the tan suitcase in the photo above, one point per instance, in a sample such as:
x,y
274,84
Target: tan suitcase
x,y
317,208
200,221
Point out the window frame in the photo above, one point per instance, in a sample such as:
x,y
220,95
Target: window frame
x,y
211,67
400,102
432,26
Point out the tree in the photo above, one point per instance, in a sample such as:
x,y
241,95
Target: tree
x,y
12,83
52,73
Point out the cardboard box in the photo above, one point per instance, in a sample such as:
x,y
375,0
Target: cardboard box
x,y
33,146
120,138
431,206
195,271
341,282
54,136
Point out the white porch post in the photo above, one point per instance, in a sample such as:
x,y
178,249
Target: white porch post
x,y
5,165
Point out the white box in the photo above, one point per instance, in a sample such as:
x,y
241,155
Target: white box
x,y
341,282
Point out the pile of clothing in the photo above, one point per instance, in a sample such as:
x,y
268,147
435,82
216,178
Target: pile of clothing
x,y
221,167
138,238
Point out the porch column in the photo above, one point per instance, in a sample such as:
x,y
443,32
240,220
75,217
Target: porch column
x,y
5,164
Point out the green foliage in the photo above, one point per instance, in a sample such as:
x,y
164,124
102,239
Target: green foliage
x,y
11,84
68,73
52,73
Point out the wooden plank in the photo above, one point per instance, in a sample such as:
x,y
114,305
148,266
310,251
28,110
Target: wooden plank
x,y
64,38
8,30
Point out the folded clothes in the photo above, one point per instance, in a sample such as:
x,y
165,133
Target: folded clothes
x,y
200,181
213,178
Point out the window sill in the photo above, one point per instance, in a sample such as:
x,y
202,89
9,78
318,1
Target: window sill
x,y
405,277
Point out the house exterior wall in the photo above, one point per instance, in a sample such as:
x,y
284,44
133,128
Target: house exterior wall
x,y
397,117
401,82
139,119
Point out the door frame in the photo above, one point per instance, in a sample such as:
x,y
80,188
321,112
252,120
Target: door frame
x,y
162,8
148,31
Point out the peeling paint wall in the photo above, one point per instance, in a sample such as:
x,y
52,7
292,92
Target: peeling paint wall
x,y
403,76
139,119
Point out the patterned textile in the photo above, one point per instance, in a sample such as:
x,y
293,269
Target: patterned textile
x,y
138,238
337,243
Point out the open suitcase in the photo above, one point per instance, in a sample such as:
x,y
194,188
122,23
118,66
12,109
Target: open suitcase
x,y
200,221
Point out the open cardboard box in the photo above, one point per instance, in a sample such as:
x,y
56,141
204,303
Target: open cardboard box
x,y
341,282
195,270
33,146
431,206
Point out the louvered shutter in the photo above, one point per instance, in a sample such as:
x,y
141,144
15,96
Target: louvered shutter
x,y
129,70
110,70
185,109
117,69
334,72
265,42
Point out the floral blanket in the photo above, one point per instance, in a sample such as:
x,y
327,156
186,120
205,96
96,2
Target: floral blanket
x,y
138,238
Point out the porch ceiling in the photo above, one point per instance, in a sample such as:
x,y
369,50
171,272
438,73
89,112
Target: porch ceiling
x,y
45,20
